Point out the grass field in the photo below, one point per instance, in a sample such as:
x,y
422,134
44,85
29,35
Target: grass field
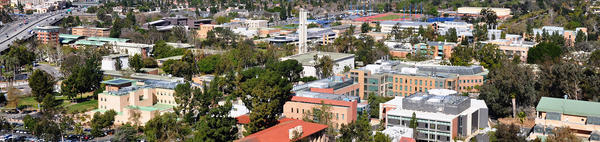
x,y
83,106
31,102
388,17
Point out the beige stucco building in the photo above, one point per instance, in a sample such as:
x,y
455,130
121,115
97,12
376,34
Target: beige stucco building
x,y
136,102
582,117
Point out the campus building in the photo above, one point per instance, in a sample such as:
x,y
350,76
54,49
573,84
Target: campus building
x,y
568,35
90,31
502,13
132,49
513,47
582,117
48,34
288,131
388,26
395,78
339,92
136,102
442,115
308,61
109,62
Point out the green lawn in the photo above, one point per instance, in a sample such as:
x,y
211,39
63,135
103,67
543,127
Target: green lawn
x,y
30,101
388,17
83,106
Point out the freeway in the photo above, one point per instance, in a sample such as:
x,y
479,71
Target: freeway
x,y
18,30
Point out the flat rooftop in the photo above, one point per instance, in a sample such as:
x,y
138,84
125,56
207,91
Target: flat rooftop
x,y
117,81
308,59
568,106
418,69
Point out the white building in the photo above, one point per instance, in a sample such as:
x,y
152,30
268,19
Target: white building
x,y
308,61
256,24
108,62
500,12
132,48
387,26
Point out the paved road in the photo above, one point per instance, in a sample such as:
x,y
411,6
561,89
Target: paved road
x,y
52,70
17,30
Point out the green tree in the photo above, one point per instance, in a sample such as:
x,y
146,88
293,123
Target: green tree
x,y
580,37
359,130
41,84
162,50
118,64
217,125
324,66
543,51
413,124
462,55
374,102
150,63
125,133
165,127
115,31
264,96
508,133
480,33
489,17
136,62
508,79
594,59
380,137
101,121
451,35
208,64
365,28
83,79
290,69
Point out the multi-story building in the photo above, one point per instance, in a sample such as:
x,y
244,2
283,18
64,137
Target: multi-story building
x,y
203,30
339,92
308,61
513,48
90,31
256,24
132,48
476,11
582,117
395,78
288,131
387,26
136,102
441,116
110,62
343,108
48,34
568,35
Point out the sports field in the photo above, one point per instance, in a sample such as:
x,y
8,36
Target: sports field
x,y
389,17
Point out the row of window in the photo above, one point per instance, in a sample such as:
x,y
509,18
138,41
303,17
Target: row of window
x,y
472,81
166,101
337,115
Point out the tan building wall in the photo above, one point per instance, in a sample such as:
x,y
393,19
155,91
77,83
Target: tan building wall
x,y
90,31
203,30
576,123
296,110
146,97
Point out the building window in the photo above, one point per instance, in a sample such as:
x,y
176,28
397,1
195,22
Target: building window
x,y
297,110
342,116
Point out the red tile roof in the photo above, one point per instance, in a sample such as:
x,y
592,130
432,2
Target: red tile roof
x,y
280,132
245,119
406,139
326,101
